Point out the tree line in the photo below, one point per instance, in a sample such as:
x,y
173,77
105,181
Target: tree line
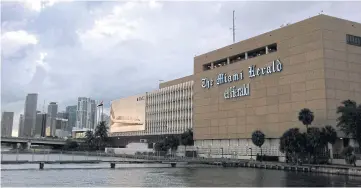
x,y
96,140
172,142
312,146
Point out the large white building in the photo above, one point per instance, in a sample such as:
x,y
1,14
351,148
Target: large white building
x,y
86,113
167,111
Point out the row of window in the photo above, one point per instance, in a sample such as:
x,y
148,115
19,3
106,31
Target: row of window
x,y
242,56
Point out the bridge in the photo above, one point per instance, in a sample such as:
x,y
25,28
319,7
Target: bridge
x,y
26,142
171,161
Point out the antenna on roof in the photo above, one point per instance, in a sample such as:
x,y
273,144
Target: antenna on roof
x,y
320,12
233,28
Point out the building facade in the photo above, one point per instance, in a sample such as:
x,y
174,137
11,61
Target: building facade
x,y
86,113
263,82
7,120
52,115
31,102
168,111
71,111
40,125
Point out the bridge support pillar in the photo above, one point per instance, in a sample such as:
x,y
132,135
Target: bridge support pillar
x,y
112,165
24,146
41,166
173,164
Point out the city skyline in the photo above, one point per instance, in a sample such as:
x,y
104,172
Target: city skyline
x,y
69,113
100,62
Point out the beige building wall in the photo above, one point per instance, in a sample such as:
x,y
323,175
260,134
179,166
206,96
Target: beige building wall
x,y
275,100
176,81
342,65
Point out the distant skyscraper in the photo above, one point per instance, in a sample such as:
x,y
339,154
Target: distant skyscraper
x,y
71,111
52,114
86,113
62,115
7,120
21,126
30,114
40,125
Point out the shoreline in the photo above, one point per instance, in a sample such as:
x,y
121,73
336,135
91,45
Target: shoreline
x,y
226,163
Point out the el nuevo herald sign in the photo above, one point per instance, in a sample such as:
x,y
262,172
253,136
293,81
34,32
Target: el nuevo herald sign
x,y
243,90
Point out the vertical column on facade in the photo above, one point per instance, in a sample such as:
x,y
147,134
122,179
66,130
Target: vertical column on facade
x,y
171,106
228,61
178,104
159,110
192,105
156,111
166,106
152,115
163,108
212,65
266,49
246,55
189,105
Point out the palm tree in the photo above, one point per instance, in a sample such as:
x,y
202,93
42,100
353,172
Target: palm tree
x,y
101,133
330,137
306,117
258,139
89,139
292,144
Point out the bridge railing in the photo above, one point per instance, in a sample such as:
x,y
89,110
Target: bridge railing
x,y
51,155
41,139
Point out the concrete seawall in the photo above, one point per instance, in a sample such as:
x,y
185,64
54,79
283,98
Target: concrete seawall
x,y
329,169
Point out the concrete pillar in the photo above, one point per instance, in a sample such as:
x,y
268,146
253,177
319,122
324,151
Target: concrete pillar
x,y
112,165
228,61
212,65
266,49
246,55
23,146
330,148
41,166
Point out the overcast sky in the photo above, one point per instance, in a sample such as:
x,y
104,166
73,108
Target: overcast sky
x,y
108,50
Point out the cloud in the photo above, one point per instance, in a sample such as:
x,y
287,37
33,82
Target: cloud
x,y
39,5
110,49
13,41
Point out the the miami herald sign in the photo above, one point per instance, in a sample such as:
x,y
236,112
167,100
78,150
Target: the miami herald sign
x,y
244,89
